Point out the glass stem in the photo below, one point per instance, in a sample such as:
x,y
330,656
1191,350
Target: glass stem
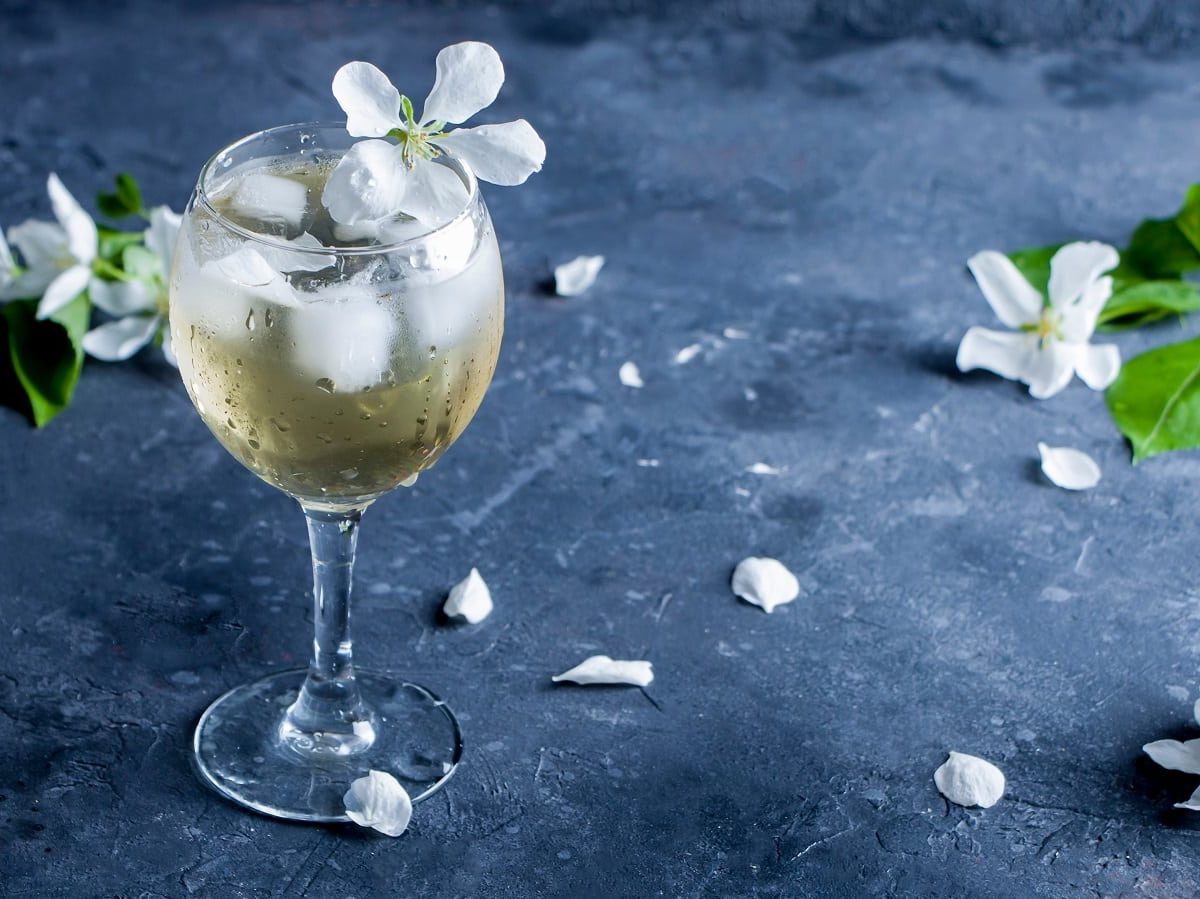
x,y
329,716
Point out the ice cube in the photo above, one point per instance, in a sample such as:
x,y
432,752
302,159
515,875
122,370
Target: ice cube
x,y
343,333
249,269
271,199
285,260
448,312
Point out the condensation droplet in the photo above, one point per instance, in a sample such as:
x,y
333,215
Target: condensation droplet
x,y
325,384
250,321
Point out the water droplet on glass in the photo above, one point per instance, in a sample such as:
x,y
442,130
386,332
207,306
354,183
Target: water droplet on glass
x,y
250,321
232,426
268,320
254,444
325,384
324,437
280,426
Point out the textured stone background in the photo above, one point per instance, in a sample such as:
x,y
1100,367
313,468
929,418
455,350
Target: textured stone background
x,y
813,173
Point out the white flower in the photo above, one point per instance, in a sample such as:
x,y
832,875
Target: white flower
x,y
8,268
377,179
766,583
469,599
574,277
603,670
57,256
968,780
1068,468
139,305
1051,340
380,802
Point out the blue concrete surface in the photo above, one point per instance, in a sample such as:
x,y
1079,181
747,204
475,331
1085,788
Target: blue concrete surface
x,y
814,174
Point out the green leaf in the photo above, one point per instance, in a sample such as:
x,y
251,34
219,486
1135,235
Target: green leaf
x,y
47,356
114,242
1155,401
1188,218
1034,264
1143,302
112,206
1159,249
130,193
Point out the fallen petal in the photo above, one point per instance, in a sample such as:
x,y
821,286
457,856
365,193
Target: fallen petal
x,y
687,354
603,670
1069,468
764,582
1175,755
574,277
735,334
630,376
968,780
469,599
380,802
1193,803
763,468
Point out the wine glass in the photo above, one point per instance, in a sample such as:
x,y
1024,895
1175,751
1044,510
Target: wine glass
x,y
336,364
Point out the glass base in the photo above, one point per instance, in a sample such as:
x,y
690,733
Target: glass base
x,y
239,751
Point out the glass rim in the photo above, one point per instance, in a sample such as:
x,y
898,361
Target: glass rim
x,y
472,184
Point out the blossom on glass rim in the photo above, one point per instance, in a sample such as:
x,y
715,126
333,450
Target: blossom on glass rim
x,y
57,256
1049,343
138,305
378,179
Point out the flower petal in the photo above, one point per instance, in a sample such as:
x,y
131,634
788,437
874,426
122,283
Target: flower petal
x,y
1078,319
469,599
121,298
434,193
380,802
1015,301
368,183
766,583
160,237
64,288
82,239
1192,803
969,780
1098,366
574,277
369,99
41,244
1008,354
1076,266
603,670
469,76
30,284
1175,755
1051,367
6,261
119,340
506,154
1069,468
630,376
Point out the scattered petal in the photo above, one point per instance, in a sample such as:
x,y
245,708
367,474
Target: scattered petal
x,y
507,153
968,780
1193,803
1175,755
764,582
120,339
630,376
687,354
735,334
648,463
368,184
82,238
574,277
763,468
603,670
380,802
369,99
469,76
469,599
1015,301
1069,468
63,289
